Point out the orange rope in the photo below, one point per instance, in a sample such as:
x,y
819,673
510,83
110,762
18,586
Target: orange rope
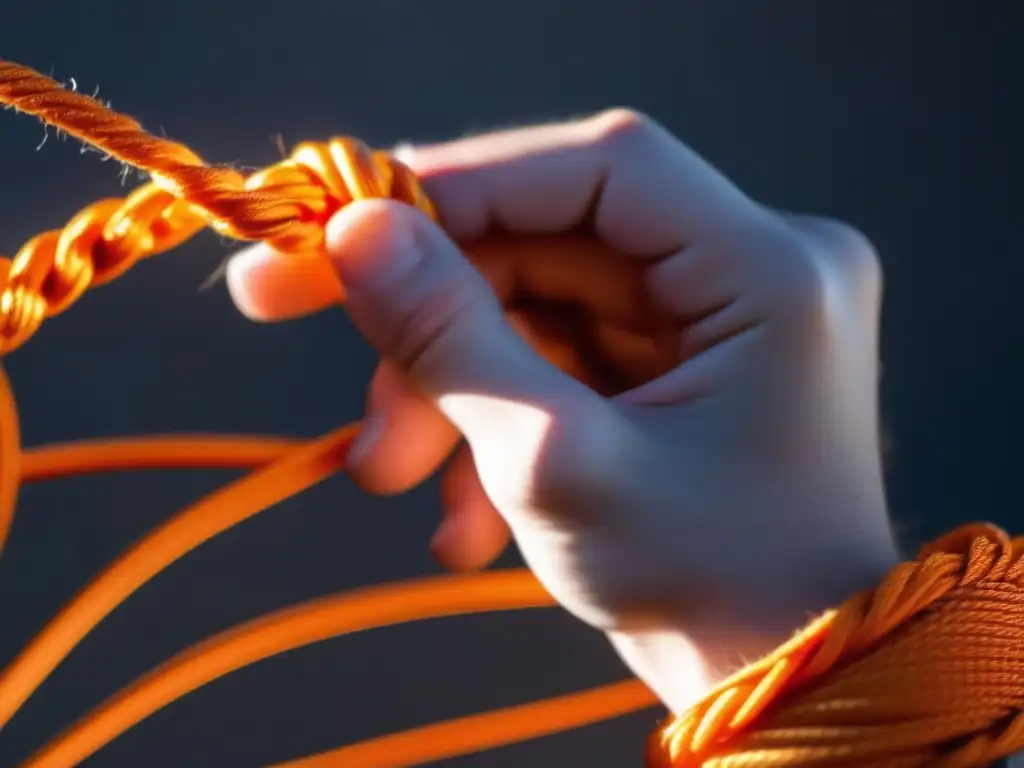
x,y
172,452
194,525
486,730
925,670
287,205
312,622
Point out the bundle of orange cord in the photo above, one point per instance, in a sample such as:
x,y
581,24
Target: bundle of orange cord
x,y
925,670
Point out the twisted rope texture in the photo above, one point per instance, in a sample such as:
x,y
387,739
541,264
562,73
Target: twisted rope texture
x,y
286,205
926,670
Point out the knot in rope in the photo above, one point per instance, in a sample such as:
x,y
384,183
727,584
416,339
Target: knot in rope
x,y
286,205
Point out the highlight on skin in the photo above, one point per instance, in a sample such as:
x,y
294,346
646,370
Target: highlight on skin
x,y
925,670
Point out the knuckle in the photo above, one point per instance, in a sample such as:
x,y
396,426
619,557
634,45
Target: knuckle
x,y
849,252
828,268
416,337
620,125
857,254
802,295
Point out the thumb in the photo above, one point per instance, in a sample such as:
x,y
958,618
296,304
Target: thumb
x,y
425,308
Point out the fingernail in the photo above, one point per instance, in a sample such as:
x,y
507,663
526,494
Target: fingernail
x,y
372,243
367,439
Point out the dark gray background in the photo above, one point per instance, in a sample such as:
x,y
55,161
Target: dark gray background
x,y
894,115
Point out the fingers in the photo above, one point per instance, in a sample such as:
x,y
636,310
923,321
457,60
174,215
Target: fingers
x,y
618,173
645,192
404,438
426,309
266,286
772,288
571,268
472,533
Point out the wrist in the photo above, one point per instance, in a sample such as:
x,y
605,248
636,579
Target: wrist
x,y
825,579
909,670
681,663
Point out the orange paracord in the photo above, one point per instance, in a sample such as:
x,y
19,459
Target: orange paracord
x,y
925,670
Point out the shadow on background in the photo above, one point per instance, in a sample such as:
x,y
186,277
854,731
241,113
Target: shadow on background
x,y
895,119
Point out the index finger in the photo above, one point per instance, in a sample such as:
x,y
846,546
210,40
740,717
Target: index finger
x,y
642,190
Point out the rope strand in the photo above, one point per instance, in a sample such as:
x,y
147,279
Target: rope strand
x,y
286,205
925,670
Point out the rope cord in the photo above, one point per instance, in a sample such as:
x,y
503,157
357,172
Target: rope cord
x,y
925,670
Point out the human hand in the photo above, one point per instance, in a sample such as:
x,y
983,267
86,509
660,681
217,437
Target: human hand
x,y
665,391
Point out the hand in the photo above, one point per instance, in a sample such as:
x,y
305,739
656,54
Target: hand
x,y
666,391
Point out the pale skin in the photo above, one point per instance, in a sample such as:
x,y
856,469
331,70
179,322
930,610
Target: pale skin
x,y
663,391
